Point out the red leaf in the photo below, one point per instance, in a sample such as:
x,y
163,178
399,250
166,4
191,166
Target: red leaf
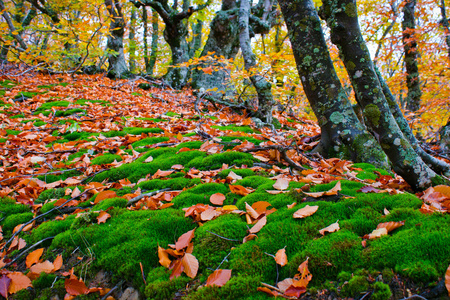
x,y
4,285
218,277
75,287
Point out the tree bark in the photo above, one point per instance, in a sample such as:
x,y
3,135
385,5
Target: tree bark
x,y
445,25
262,86
117,63
342,133
196,42
342,18
131,41
410,48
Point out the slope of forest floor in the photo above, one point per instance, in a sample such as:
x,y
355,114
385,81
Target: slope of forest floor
x,y
110,191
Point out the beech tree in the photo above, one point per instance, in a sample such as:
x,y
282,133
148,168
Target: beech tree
x,y
342,132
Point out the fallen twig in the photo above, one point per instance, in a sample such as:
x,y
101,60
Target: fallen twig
x,y
48,173
222,237
26,250
137,198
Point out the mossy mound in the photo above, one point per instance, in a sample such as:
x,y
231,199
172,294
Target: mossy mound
x,y
246,129
241,172
149,141
369,171
200,194
174,184
216,161
106,159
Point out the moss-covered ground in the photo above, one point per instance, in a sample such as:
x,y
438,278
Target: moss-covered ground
x,y
103,145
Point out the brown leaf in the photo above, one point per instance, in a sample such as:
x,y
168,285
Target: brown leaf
x,y
163,257
57,264
251,211
331,228
390,226
75,287
249,238
177,268
281,184
190,264
447,280
268,291
184,240
285,284
102,217
160,174
4,285
104,195
240,190
305,211
260,224
369,189
217,198
294,291
218,277
379,232
443,189
331,192
281,257
234,176
18,282
209,214
46,267
34,257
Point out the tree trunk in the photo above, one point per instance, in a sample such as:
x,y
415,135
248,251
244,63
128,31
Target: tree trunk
x,y
196,42
410,48
117,63
154,46
145,34
131,41
262,86
342,133
346,35
446,26
223,41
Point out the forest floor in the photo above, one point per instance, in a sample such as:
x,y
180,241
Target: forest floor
x,y
110,191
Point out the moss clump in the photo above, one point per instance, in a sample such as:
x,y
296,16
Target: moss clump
x,y
49,105
363,221
199,194
51,194
149,141
8,206
239,287
241,172
55,177
139,130
209,249
106,159
50,228
13,220
381,291
111,202
246,129
127,239
68,112
75,136
372,113
349,188
174,184
190,145
419,271
256,182
355,286
160,287
216,161
44,281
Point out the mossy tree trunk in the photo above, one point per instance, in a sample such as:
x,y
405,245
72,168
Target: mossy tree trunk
x,y
445,25
343,135
262,86
175,35
410,48
131,40
150,59
342,18
116,59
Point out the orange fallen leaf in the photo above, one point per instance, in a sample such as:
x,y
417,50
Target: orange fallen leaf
x,y
104,195
379,232
46,267
102,217
18,282
163,257
184,240
390,226
190,264
218,277
217,198
331,228
251,211
259,225
57,264
75,287
447,280
281,184
306,211
4,285
281,257
34,257
331,192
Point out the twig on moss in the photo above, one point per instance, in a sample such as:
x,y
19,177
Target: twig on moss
x,y
223,260
41,216
112,290
26,250
137,198
38,174
222,237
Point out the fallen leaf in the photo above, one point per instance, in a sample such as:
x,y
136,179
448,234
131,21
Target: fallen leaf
x,y
332,228
260,224
104,195
294,291
163,257
390,226
34,257
18,282
331,192
281,184
57,264
285,284
305,211
251,211
219,277
281,257
184,240
447,280
102,217
268,291
217,198
75,287
249,238
443,189
46,267
379,232
177,268
240,190
369,189
234,176
4,285
190,264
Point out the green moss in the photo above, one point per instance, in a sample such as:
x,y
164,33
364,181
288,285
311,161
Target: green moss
x,y
172,114
381,291
25,94
419,271
12,132
8,83
68,112
190,145
216,161
349,188
44,281
255,181
149,141
241,172
355,286
174,184
50,228
77,135
246,129
229,139
363,221
159,286
127,239
49,105
106,159
372,113
363,175
111,202
139,130
2,140
55,177
8,206
50,194
209,249
13,220
199,194
239,287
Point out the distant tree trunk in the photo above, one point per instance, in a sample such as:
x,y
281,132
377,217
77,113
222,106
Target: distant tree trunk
x,y
175,35
346,35
131,41
12,29
154,46
343,135
196,42
445,25
117,63
262,86
410,48
223,41
144,37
